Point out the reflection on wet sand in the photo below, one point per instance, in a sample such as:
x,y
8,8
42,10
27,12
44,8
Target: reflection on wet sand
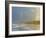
x,y
34,25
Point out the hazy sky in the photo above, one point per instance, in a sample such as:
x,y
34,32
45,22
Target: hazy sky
x,y
21,13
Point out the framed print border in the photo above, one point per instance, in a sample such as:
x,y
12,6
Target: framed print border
x,y
7,18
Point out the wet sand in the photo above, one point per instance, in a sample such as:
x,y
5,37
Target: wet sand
x,y
34,25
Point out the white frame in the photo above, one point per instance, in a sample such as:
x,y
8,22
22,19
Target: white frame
x,y
25,32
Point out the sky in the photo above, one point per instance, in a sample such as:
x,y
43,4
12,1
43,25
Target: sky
x,y
21,14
